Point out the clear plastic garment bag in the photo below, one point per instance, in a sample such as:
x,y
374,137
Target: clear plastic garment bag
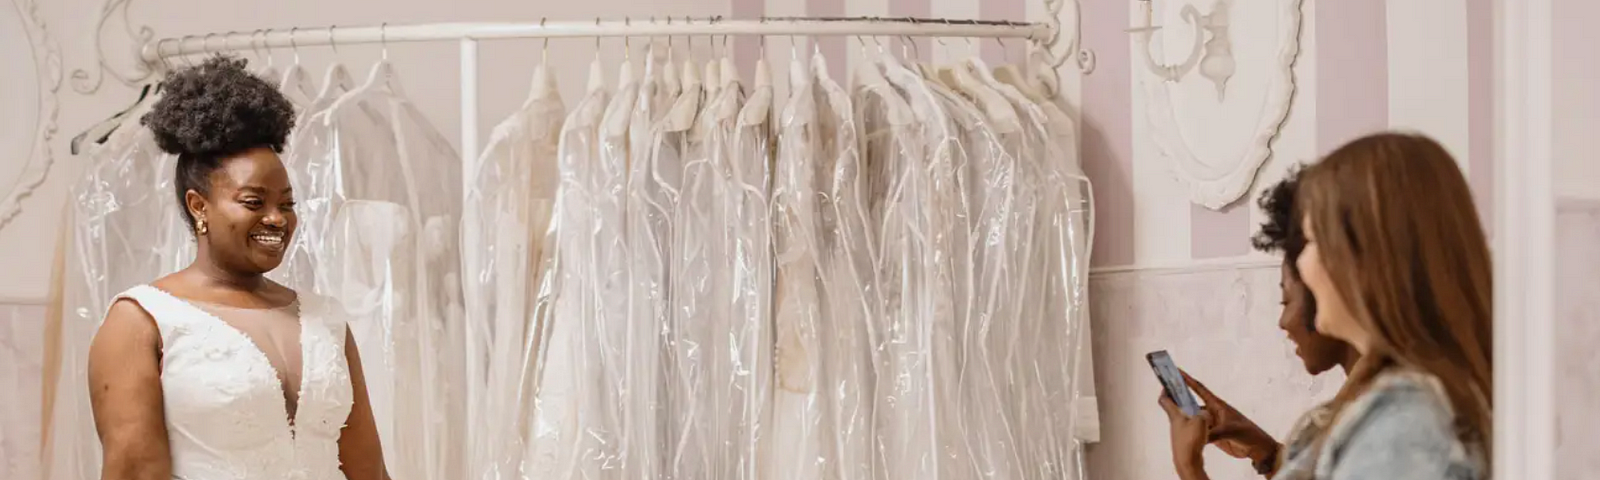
x,y
748,188
568,407
651,197
383,242
847,381
797,426
128,230
508,215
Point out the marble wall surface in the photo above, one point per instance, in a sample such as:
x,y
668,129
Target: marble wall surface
x,y
1220,325
1577,333
21,355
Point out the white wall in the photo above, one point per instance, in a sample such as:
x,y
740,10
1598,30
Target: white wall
x,y
1577,99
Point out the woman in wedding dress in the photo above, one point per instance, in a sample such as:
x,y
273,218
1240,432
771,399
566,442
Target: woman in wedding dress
x,y
215,372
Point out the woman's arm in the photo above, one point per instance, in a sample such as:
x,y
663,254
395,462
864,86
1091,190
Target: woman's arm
x,y
360,451
125,393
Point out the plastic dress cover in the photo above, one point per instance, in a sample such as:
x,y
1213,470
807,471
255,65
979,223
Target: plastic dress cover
x,y
1069,235
609,340
992,140
509,208
393,260
569,386
701,295
797,416
853,298
129,230
1045,358
748,189
968,138
896,149
651,200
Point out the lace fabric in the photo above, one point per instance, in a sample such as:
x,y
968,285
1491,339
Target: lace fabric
x,y
225,399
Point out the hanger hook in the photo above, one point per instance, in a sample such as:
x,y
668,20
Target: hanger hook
x,y
597,37
544,55
383,40
331,42
294,46
763,41
627,41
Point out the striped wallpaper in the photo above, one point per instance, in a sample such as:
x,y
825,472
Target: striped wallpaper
x,y
1366,65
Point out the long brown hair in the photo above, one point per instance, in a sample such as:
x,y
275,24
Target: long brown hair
x,y
1399,236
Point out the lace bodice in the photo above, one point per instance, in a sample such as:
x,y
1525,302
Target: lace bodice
x,y
226,413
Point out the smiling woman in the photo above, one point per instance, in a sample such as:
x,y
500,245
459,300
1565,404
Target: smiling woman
x,y
215,368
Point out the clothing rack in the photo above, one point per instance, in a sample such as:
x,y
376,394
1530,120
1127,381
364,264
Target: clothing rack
x,y
155,52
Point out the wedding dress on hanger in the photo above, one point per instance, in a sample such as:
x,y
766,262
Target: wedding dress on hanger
x,y
847,382
611,263
297,271
392,260
127,232
508,215
651,197
748,189
569,394
799,393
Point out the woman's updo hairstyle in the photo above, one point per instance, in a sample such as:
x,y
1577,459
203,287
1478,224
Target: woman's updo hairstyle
x,y
212,111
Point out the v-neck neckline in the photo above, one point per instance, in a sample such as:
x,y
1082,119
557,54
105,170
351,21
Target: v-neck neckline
x,y
261,355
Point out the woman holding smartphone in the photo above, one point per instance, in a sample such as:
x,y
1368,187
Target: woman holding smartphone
x,y
1399,267
1229,429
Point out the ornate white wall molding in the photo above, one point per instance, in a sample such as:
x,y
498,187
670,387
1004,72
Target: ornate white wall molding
x,y
88,82
1065,42
32,126
1218,142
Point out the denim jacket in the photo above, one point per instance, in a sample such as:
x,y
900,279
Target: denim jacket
x,y
1401,428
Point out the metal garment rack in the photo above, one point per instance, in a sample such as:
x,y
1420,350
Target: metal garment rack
x,y
155,52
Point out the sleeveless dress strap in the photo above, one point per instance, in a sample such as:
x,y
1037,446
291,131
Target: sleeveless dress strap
x,y
170,313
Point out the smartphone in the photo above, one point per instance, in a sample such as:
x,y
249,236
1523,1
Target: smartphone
x,y
1172,381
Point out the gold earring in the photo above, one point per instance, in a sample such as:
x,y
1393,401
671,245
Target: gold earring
x,y
200,227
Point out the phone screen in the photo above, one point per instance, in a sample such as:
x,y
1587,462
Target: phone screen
x,y
1172,382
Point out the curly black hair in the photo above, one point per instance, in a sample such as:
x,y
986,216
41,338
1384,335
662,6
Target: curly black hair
x,y
212,111
1282,232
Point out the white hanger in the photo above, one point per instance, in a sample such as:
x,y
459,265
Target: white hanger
x,y
995,107
382,71
671,82
597,71
866,75
1011,75
897,111
337,75
544,83
619,110
269,71
731,84
730,73
295,77
759,107
687,106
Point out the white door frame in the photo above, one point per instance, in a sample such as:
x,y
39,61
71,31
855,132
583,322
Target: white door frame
x,y
1524,266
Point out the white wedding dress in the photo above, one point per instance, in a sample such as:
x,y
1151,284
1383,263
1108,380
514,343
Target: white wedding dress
x,y
227,414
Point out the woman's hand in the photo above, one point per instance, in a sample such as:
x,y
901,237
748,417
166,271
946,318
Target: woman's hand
x,y
1189,438
1230,430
